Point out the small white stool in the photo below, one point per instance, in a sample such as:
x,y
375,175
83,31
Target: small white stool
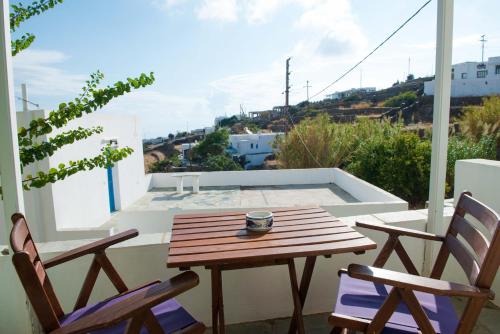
x,y
195,177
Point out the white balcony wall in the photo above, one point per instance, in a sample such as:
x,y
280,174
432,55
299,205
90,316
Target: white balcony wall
x,y
482,178
81,201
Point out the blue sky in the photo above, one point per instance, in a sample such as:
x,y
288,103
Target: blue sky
x,y
211,56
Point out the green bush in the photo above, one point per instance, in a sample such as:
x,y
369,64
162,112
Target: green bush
x,y
214,143
460,147
165,165
398,163
397,101
479,121
220,163
328,144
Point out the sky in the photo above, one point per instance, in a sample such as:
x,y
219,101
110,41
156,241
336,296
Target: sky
x,y
211,56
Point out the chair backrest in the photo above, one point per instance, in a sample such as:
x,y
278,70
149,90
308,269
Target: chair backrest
x,y
477,253
33,276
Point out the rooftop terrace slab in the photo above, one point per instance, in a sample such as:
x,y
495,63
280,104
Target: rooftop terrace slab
x,y
244,197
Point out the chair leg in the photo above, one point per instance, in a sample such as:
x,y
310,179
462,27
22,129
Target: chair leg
x,y
135,324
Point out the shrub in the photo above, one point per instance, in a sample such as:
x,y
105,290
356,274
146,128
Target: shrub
x,y
479,121
406,98
165,165
398,163
215,143
460,147
221,162
328,144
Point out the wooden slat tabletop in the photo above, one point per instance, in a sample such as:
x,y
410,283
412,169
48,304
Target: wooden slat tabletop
x,y
221,238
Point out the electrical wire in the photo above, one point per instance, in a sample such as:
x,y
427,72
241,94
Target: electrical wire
x,y
373,51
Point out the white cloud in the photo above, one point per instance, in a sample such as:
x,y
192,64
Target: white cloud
x,y
260,11
39,69
168,4
220,10
161,113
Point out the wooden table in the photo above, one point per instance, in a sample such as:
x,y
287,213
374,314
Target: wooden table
x,y
219,241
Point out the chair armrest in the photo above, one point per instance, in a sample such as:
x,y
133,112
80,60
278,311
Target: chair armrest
x,y
413,282
401,231
91,248
133,305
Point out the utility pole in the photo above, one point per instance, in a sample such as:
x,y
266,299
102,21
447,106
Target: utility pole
x,y
482,40
287,92
307,86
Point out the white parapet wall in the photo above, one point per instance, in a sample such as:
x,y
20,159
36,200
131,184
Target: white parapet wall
x,y
482,178
71,208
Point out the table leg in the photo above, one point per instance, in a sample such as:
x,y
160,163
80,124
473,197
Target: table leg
x,y
304,287
296,296
180,185
217,302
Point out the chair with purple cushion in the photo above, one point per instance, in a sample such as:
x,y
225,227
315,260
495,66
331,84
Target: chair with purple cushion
x,y
146,309
375,300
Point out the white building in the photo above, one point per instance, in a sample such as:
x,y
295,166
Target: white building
x,y
349,92
185,149
255,147
472,79
86,200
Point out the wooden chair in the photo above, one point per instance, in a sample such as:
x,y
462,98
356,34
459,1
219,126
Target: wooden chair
x,y
148,308
370,298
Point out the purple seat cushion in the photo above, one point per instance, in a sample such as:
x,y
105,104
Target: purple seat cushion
x,y
362,299
170,314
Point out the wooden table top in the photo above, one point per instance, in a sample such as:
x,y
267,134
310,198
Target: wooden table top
x,y
221,237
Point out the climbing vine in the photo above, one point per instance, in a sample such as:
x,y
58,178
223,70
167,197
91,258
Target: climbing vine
x,y
35,140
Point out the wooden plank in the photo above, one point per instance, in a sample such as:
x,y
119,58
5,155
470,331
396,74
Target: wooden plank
x,y
265,244
277,220
244,232
473,236
464,258
29,247
243,224
182,216
259,237
481,212
221,220
265,254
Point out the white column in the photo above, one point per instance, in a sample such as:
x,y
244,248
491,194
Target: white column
x,y
10,168
441,118
196,184
13,314
180,184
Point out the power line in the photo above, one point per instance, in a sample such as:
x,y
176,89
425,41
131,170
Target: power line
x,y
24,100
302,140
373,51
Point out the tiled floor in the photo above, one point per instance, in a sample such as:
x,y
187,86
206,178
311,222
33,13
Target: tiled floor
x,y
241,197
489,323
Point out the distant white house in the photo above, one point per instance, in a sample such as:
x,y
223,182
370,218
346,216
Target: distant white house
x,y
255,147
472,79
349,92
185,149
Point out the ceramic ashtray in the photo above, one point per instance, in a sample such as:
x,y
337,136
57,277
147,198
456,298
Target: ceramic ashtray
x,y
259,221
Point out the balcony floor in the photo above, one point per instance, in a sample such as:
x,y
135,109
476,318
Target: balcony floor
x,y
317,323
241,197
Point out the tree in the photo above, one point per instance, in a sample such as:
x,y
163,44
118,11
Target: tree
x,y
215,143
221,162
34,141
171,136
